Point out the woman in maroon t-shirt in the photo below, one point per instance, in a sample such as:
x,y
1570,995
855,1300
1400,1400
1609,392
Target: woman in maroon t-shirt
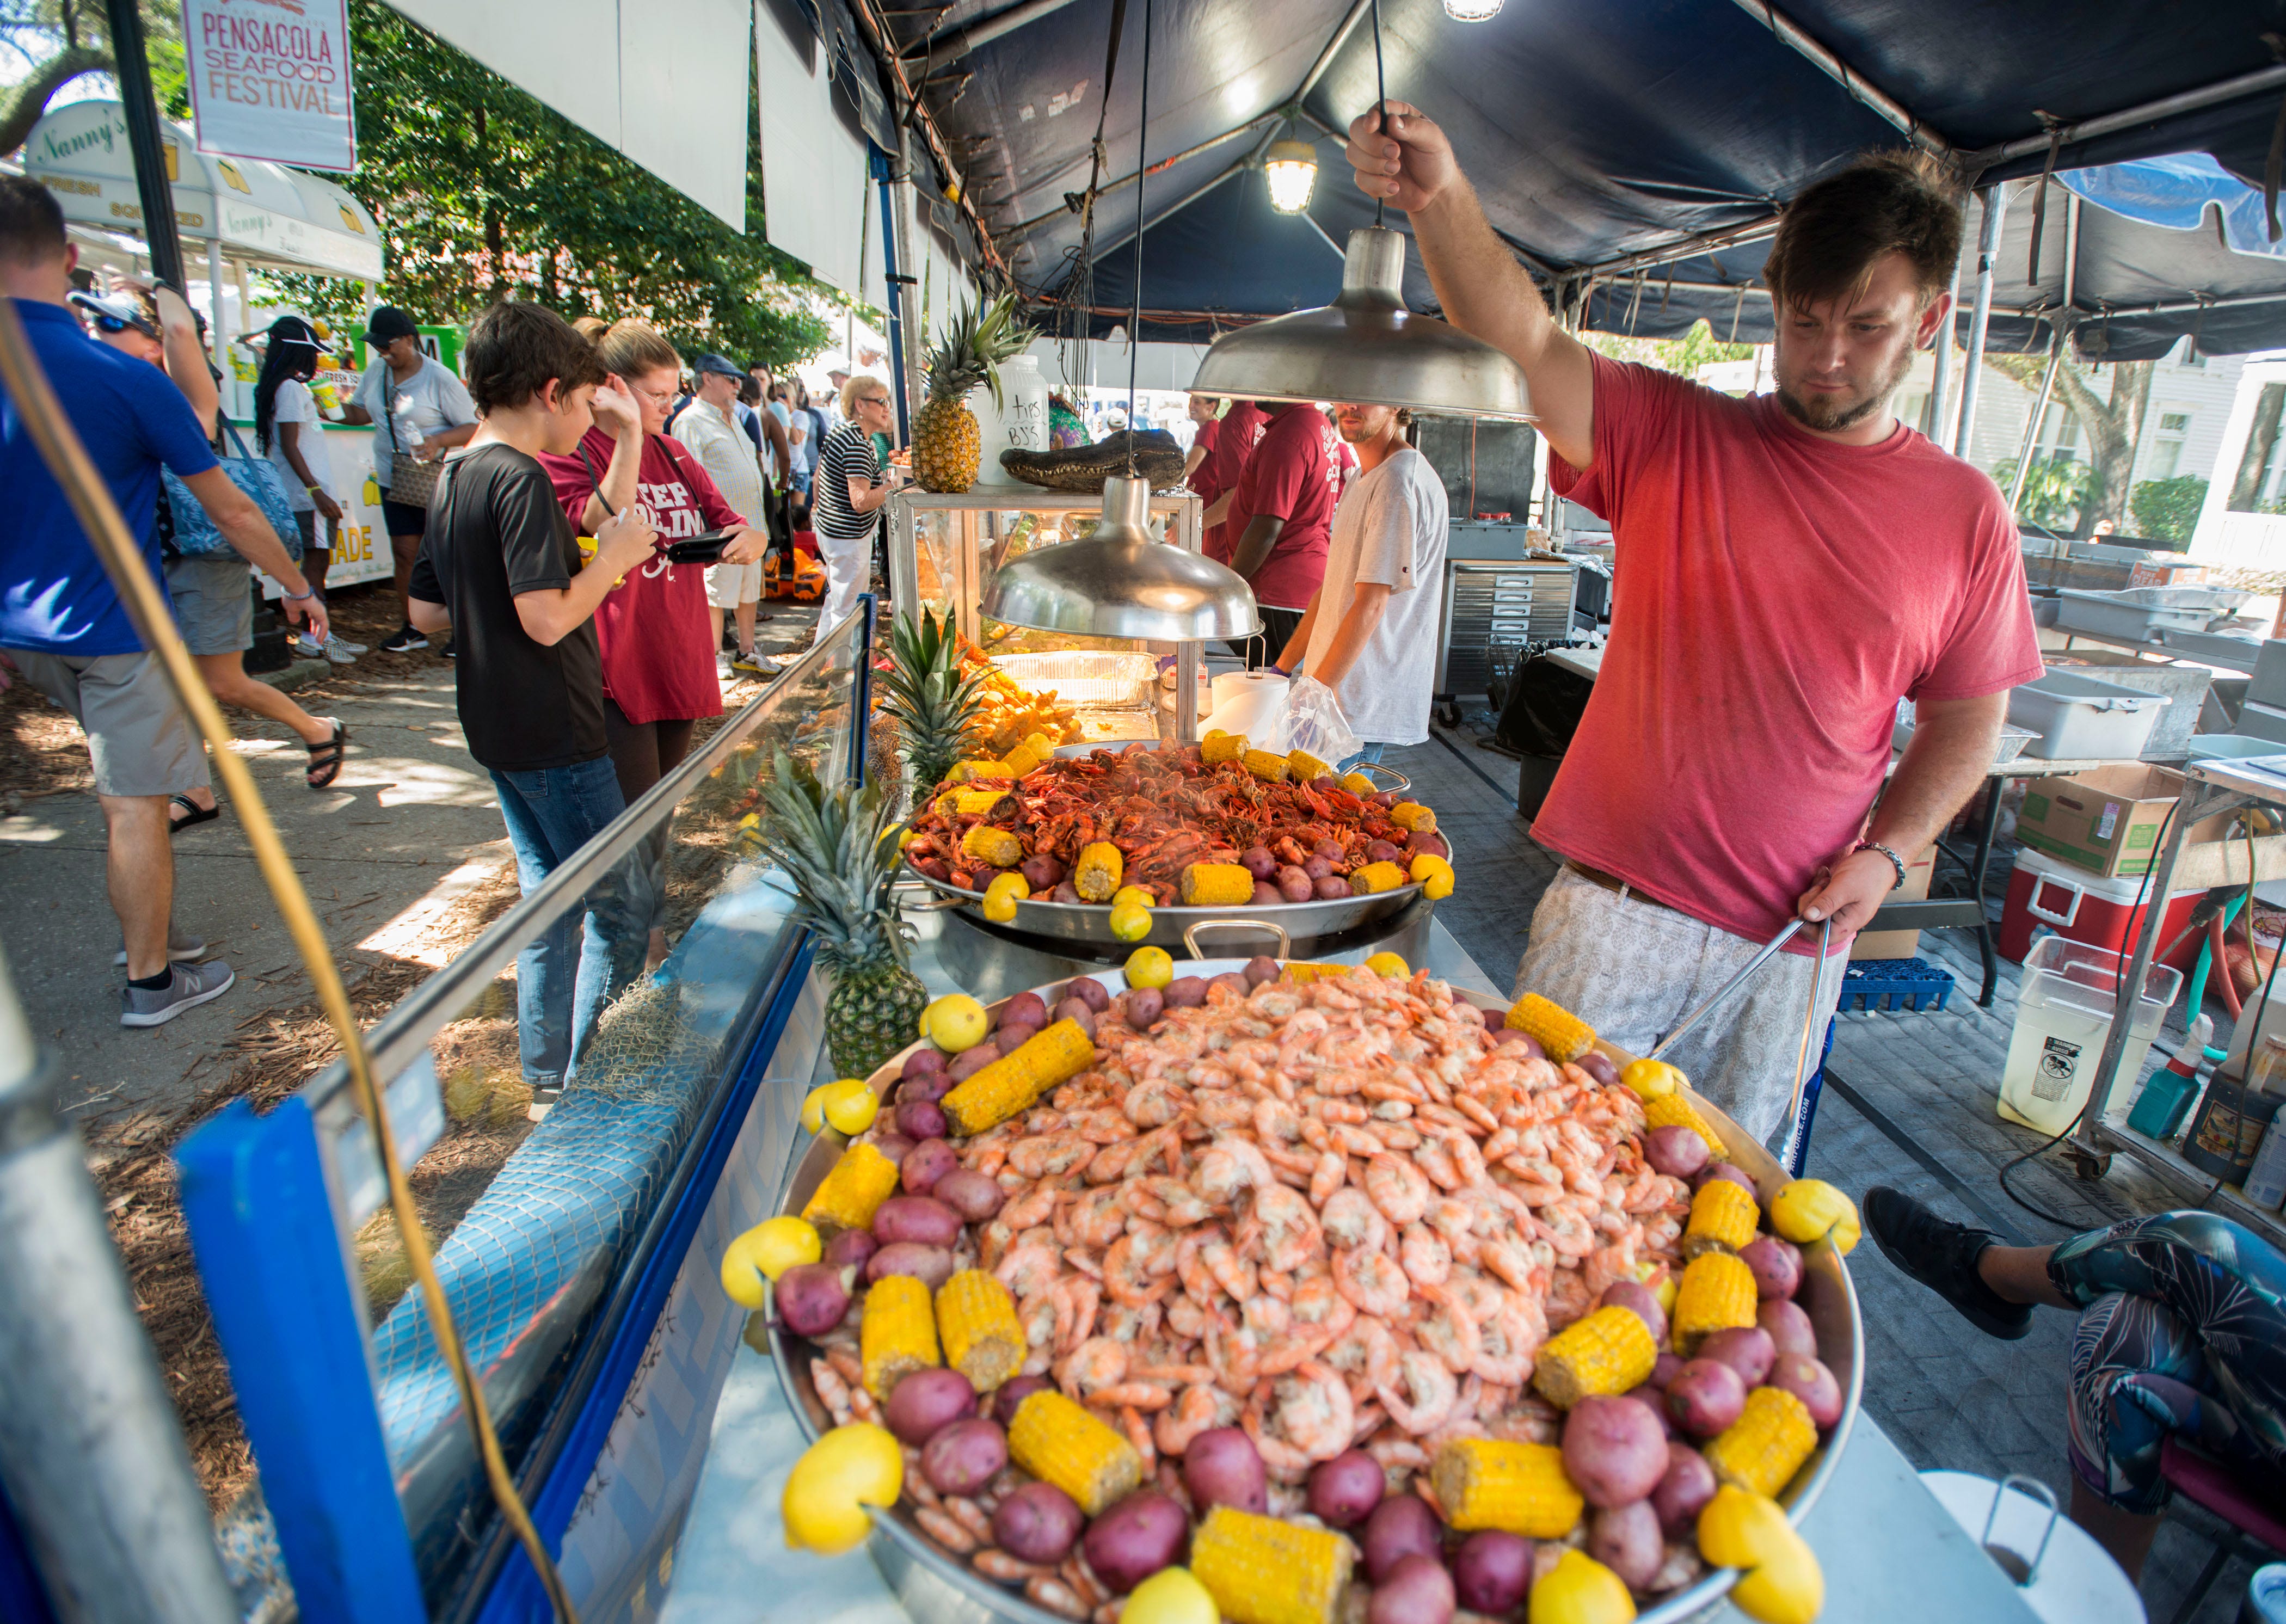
x,y
653,627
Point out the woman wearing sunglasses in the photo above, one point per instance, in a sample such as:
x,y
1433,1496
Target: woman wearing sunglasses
x,y
846,497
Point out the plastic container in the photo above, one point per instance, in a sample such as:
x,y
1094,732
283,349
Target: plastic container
x,y
2063,1009
2223,1137
2265,1181
2165,1097
2047,891
2139,613
2083,718
2012,740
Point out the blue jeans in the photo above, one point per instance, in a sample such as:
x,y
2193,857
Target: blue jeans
x,y
563,980
1369,753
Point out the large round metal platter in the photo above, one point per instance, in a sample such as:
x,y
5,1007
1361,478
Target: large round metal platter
x,y
934,1588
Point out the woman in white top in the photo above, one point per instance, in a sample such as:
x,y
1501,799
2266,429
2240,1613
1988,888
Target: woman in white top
x,y
286,427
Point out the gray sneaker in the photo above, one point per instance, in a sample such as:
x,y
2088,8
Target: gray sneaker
x,y
180,946
187,986
343,653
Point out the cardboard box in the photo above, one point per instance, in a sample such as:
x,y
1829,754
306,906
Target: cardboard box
x,y
1900,943
2106,820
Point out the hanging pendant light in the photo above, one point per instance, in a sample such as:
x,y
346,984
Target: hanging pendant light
x,y
1117,581
1291,168
1472,10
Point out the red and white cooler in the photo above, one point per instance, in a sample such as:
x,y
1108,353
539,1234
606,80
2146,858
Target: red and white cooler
x,y
2090,907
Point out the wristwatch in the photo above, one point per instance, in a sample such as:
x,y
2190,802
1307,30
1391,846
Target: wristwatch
x,y
1896,861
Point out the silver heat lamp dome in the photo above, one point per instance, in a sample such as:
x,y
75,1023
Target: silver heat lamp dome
x,y
1368,348
1117,582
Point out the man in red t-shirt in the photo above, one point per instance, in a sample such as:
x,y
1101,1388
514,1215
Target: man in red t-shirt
x,y
1281,520
1216,479
1788,566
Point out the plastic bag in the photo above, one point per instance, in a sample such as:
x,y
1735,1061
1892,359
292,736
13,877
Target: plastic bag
x,y
1313,721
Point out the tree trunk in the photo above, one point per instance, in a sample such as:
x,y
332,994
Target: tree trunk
x,y
32,96
2261,446
2113,427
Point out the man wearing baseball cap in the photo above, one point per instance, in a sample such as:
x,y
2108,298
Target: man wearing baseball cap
x,y
423,412
707,425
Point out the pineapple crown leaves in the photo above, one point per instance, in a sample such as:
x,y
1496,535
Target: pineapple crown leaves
x,y
972,347
928,689
839,847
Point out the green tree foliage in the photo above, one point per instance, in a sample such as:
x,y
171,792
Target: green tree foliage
x,y
1684,356
55,42
483,193
2168,510
2055,490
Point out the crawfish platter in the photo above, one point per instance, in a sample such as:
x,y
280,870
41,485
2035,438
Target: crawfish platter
x,y
1328,1269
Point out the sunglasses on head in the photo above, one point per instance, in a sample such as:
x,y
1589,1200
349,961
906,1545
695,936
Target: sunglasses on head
x,y
115,324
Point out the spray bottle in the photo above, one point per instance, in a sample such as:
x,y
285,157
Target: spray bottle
x,y
2168,1091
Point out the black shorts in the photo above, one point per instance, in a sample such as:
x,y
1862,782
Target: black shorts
x,y
403,518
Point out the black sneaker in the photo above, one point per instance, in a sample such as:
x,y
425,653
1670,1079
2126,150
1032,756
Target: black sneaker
x,y
448,650
403,641
1942,1256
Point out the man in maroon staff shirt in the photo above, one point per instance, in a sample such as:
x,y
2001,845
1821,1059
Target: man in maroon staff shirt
x,y
1788,567
1281,519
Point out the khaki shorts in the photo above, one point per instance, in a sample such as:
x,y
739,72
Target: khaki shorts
x,y
136,736
730,585
214,604
1632,969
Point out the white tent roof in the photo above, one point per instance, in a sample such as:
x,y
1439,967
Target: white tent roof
x,y
263,212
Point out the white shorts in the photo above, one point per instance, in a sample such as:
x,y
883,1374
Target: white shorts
x,y
730,585
1632,969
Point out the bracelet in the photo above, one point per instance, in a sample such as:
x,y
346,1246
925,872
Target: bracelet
x,y
1896,861
310,596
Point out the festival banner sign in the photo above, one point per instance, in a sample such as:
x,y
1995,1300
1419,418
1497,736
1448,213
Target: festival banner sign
x,y
270,79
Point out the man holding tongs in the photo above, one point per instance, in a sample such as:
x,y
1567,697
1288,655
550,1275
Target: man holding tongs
x,y
1788,567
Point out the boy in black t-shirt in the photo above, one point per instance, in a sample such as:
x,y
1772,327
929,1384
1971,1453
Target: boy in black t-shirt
x,y
501,569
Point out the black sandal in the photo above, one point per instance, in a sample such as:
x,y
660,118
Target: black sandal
x,y
326,759
192,813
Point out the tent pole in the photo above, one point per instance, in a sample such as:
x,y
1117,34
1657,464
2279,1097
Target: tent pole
x,y
930,57
2071,244
2262,79
1988,252
1938,425
152,185
1834,68
2039,415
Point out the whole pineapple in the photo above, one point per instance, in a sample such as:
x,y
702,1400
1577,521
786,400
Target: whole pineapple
x,y
839,847
932,696
945,433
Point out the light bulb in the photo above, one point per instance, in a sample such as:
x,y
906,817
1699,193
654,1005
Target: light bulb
x,y
1291,168
1471,10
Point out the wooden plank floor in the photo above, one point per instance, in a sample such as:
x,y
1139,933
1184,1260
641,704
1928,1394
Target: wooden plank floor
x,y
1911,1105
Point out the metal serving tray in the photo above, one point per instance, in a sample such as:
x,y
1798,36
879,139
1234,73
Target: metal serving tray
x,y
936,1588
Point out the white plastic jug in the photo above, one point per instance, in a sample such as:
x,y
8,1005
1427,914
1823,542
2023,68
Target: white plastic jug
x,y
1019,422
2064,1011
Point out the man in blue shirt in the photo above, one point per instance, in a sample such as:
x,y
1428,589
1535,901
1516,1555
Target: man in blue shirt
x,y
62,623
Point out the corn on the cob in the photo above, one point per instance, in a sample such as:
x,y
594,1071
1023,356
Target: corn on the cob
x,y
1266,765
948,805
1610,1350
1096,875
1376,877
1493,1483
1021,760
860,1182
1216,884
1358,783
1221,747
996,846
1717,1292
1555,1029
976,1321
1766,1445
1306,766
1675,1110
997,1090
1059,1442
1264,1570
1724,1218
1412,815
898,1333
975,803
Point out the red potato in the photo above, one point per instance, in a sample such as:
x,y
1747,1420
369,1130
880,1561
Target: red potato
x,y
1014,1036
1417,1590
1223,1468
1135,1539
1598,1065
975,1196
932,1265
1025,1009
1324,782
915,1218
1333,851
1266,895
1642,1299
1684,1491
1261,968
1663,1371
1656,1403
1399,1526
1725,1170
1435,845
1316,868
963,1457
1066,893
1627,1540
1256,861
893,1146
1808,1380
852,1249
1036,1523
1294,885
1184,992
1077,1011
1041,873
811,1297
1332,888
1012,1392
1790,1329
1345,1490
927,1401
1532,1051
922,1120
1777,1264
1233,980
1747,1349
1492,1570
968,1063
1674,1150
1385,798
1141,1006
928,1086
1705,1396
1382,851
1088,992
921,1062
930,1159
1614,1450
